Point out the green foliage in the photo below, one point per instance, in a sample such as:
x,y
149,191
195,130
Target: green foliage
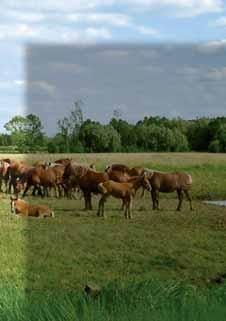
x,y
152,134
214,146
69,130
198,134
99,138
26,132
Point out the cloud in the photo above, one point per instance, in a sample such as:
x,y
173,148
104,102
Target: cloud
x,y
22,16
221,22
114,53
19,82
67,67
95,33
55,5
54,34
114,19
147,31
180,8
13,31
211,47
7,84
42,85
217,74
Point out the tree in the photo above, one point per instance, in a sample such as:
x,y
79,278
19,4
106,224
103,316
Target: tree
x,y
69,126
26,132
99,138
198,134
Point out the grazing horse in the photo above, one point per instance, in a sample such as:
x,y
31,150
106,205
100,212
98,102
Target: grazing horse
x,y
39,177
15,170
124,191
168,183
86,178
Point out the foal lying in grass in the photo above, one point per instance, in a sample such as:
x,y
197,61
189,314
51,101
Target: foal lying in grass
x,y
124,191
22,208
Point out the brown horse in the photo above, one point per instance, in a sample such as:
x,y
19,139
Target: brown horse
x,y
124,191
168,183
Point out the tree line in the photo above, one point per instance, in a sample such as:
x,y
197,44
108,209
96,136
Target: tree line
x,y
151,134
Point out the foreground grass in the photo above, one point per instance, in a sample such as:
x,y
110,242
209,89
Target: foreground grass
x,y
144,301
77,247
48,262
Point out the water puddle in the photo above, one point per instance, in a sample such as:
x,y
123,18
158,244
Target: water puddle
x,y
220,203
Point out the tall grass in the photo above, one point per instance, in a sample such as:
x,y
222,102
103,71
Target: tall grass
x,y
146,301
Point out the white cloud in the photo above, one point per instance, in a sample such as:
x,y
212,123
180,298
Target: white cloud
x,y
98,32
19,82
52,33
211,47
181,8
22,16
178,7
221,22
114,19
7,84
12,31
147,31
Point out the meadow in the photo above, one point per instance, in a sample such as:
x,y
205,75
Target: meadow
x,y
163,264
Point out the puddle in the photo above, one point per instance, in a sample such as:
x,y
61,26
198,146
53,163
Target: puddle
x,y
220,203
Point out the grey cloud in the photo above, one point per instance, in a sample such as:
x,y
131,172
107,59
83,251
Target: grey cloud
x,y
144,80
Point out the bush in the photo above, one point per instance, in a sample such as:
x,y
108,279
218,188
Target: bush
x,y
215,146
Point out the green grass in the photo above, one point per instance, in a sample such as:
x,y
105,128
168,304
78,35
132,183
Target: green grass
x,y
151,300
158,264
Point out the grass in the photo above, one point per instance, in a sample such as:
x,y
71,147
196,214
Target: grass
x,y
144,301
158,264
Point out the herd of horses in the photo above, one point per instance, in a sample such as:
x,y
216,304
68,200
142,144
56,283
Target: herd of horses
x,y
66,177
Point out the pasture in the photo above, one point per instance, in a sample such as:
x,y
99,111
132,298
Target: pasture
x,y
161,262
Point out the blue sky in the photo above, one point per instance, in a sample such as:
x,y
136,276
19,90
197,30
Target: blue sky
x,y
99,22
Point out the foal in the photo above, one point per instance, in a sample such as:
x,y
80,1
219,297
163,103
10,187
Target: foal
x,y
125,191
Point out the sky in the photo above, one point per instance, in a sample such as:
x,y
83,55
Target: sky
x,y
167,56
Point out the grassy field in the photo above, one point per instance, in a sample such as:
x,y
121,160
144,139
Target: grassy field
x,y
162,263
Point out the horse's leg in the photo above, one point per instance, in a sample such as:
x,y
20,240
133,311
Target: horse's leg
x,y
153,196
99,206
126,209
189,199
1,184
55,190
6,184
86,200
180,197
90,201
123,205
34,191
104,199
26,190
130,207
157,199
40,191
143,193
60,190
10,186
